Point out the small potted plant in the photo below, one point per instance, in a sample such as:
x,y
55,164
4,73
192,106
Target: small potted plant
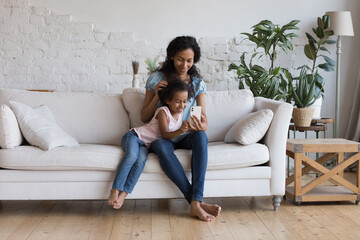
x,y
303,90
152,64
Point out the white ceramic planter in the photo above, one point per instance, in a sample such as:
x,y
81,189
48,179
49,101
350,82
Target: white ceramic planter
x,y
317,108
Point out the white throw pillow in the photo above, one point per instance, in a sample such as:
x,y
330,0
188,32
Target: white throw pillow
x,y
39,130
251,128
10,134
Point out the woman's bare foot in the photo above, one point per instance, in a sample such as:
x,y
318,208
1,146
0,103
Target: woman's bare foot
x,y
120,200
197,211
113,196
212,209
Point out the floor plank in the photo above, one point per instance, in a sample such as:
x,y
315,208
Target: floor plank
x,y
241,218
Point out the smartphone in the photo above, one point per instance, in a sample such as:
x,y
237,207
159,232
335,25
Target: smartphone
x,y
195,111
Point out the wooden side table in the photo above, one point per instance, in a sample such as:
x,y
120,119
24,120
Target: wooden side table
x,y
343,190
317,125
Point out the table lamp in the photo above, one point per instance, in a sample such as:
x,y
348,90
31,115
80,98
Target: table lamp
x,y
341,24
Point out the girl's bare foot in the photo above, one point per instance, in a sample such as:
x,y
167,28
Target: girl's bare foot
x,y
113,196
197,211
120,200
212,209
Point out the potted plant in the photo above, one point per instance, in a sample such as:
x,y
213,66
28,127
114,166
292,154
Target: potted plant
x,y
314,49
152,64
303,90
268,83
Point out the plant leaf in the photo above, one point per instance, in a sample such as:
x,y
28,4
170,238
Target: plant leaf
x,y
310,52
329,60
324,49
326,21
310,37
276,71
327,67
331,41
320,23
320,32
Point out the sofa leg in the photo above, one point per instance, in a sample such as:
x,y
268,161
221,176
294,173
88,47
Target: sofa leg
x,y
276,202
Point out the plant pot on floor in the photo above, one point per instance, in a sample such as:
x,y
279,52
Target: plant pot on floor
x,y
302,116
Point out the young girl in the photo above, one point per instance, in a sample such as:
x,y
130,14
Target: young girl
x,y
167,123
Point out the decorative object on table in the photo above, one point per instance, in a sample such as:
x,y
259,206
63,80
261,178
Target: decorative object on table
x,y
303,92
268,83
136,80
152,64
341,24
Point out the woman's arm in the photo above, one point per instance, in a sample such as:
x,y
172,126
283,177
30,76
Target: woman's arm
x,y
164,126
200,126
150,101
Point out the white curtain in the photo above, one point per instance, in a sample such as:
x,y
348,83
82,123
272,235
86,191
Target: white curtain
x,y
353,130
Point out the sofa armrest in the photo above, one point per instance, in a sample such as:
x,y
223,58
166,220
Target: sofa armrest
x,y
275,139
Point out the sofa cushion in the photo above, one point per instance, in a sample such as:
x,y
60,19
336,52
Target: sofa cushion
x,y
41,131
133,101
106,157
224,108
251,128
88,117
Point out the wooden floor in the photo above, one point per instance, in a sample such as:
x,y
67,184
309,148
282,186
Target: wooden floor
x,y
241,218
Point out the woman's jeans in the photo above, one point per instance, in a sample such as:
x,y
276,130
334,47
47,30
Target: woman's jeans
x,y
197,142
132,164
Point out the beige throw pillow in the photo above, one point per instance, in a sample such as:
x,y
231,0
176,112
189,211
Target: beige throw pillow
x,y
251,128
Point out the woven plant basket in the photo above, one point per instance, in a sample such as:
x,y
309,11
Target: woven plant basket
x,y
302,116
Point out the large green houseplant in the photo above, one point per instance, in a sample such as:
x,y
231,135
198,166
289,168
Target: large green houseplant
x,y
316,47
268,83
309,86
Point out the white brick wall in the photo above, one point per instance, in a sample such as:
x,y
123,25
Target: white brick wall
x,y
42,50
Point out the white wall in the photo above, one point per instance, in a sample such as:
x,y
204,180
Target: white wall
x,y
159,20
53,44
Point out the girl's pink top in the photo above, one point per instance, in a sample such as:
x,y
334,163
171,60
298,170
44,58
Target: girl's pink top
x,y
151,131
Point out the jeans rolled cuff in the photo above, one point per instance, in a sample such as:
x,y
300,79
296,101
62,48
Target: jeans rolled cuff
x,y
197,198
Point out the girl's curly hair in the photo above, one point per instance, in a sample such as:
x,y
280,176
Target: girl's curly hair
x,y
174,85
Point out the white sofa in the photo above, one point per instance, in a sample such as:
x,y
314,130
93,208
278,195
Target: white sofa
x,y
98,121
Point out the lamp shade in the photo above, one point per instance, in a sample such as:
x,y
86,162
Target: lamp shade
x,y
341,23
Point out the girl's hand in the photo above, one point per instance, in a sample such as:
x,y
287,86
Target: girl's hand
x,y
160,86
198,125
184,126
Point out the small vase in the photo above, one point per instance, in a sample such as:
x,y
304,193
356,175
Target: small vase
x,y
136,81
302,116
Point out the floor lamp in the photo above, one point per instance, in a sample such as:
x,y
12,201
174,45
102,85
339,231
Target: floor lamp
x,y
341,24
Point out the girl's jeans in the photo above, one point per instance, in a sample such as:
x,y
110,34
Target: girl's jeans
x,y
132,164
196,141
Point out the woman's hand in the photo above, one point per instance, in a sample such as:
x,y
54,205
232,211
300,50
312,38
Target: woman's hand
x,y
198,125
160,86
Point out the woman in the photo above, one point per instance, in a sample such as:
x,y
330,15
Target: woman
x,y
182,53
